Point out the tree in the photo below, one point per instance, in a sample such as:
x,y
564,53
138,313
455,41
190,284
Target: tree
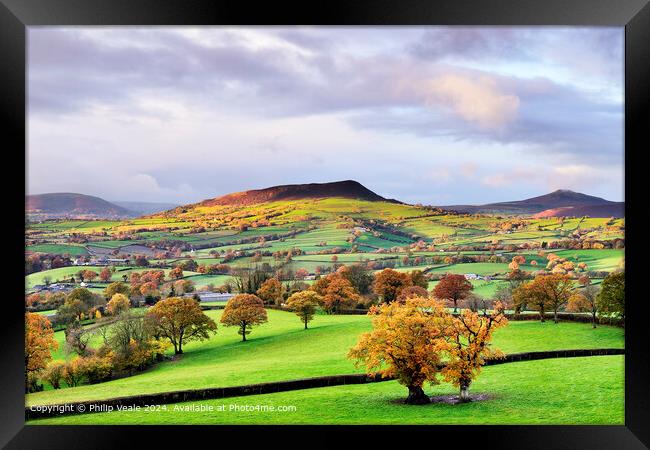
x,y
118,304
271,292
72,374
412,292
94,368
406,343
77,340
452,287
304,304
87,298
585,301
545,291
525,296
149,290
503,294
180,320
176,273
105,274
418,278
611,299
359,277
132,342
39,340
339,292
388,284
244,311
248,281
54,373
469,346
90,275
515,279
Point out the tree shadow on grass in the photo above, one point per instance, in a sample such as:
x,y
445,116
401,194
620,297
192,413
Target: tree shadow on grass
x,y
449,399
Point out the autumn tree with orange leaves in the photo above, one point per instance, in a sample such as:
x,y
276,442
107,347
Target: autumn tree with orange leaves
x,y
452,287
271,292
304,304
406,343
244,311
39,340
545,292
180,320
388,284
339,293
468,341
106,274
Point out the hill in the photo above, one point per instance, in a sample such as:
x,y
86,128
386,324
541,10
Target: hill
x,y
342,189
615,209
562,202
71,205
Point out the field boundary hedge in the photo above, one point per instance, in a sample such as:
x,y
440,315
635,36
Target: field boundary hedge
x,y
529,315
40,411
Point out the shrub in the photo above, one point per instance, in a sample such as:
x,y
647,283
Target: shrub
x,y
95,369
54,373
71,373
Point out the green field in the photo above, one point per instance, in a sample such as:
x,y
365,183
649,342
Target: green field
x,y
62,273
281,350
58,249
561,391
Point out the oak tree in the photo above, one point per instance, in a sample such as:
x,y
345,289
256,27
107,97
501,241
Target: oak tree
x,y
304,304
118,304
180,320
271,292
452,287
611,299
469,346
39,341
388,284
407,342
244,311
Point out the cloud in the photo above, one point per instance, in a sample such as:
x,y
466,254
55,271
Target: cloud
x,y
475,100
194,112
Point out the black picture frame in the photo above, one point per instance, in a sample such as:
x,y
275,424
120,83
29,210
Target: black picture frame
x,y
634,15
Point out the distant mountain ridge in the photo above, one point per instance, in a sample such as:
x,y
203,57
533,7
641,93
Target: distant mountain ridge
x,y
346,189
72,205
562,202
142,208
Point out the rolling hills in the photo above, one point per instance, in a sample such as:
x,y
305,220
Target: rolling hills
x,y
562,202
343,189
71,205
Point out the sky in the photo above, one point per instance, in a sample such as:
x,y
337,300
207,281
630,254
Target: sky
x,y
433,115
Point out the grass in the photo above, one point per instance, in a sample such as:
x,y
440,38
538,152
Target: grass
x,y
281,350
562,391
58,249
62,273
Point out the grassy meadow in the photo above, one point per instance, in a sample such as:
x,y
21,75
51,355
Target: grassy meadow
x,y
321,350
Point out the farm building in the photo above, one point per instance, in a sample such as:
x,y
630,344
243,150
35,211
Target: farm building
x,y
211,296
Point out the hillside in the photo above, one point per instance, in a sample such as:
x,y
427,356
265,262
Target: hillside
x,y
343,189
71,205
615,209
562,202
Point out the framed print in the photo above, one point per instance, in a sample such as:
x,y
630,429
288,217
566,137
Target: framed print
x,y
376,217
